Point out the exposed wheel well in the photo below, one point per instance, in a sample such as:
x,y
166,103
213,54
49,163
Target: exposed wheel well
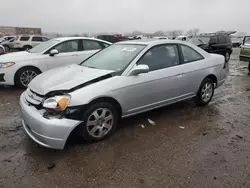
x,y
33,67
109,100
213,78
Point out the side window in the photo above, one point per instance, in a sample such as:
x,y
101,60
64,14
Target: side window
x,y
214,40
44,39
24,38
222,39
37,39
189,54
91,45
160,57
67,46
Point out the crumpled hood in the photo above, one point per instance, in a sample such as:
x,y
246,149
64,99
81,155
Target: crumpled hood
x,y
16,56
65,78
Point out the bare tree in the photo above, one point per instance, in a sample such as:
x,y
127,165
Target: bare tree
x,y
175,33
241,34
193,32
158,33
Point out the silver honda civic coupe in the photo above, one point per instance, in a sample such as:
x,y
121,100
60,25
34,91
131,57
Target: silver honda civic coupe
x,y
122,80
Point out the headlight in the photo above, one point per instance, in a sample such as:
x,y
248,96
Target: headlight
x,y
58,103
6,65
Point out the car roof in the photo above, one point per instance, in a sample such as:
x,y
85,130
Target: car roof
x,y
75,38
154,42
151,42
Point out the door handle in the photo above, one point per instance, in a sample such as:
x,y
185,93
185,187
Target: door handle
x,y
74,55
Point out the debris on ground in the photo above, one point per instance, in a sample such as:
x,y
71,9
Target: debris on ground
x,y
215,178
181,127
151,122
215,153
2,147
7,160
142,126
204,133
239,136
51,165
14,129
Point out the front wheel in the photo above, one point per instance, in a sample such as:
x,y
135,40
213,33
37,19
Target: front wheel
x,y
99,122
227,56
205,93
24,76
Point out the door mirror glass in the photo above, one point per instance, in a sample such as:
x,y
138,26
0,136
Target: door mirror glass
x,y
53,52
139,69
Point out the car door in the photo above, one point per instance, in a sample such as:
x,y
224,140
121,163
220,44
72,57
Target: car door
x,y
192,70
245,49
222,47
69,52
160,85
214,46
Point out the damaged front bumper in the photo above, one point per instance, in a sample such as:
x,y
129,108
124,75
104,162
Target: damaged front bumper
x,y
48,132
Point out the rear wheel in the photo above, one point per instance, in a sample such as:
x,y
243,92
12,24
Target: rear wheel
x,y
99,122
205,93
24,76
227,56
27,47
2,51
7,48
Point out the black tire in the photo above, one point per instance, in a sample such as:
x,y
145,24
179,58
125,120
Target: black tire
x,y
249,67
227,56
2,50
7,48
19,73
199,99
27,47
84,133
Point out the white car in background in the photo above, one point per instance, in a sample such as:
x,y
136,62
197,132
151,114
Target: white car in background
x,y
161,37
183,38
20,68
26,42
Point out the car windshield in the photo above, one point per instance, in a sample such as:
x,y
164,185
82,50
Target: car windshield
x,y
43,46
198,40
247,41
116,57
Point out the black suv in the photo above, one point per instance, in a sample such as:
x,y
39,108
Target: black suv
x,y
112,38
218,43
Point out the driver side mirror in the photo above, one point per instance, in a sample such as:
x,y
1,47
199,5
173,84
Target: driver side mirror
x,y
53,52
138,70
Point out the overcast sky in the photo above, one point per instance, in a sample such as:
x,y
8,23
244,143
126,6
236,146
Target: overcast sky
x,y
79,16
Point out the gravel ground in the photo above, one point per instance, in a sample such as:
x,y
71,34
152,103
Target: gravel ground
x,y
188,147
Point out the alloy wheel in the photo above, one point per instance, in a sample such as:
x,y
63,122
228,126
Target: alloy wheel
x,y
100,122
207,91
27,76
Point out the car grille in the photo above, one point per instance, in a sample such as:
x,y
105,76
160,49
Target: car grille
x,y
33,98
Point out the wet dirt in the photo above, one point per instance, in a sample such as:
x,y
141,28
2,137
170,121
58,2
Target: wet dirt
x,y
188,146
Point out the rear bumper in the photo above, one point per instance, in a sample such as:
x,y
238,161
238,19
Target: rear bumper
x,y
51,133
